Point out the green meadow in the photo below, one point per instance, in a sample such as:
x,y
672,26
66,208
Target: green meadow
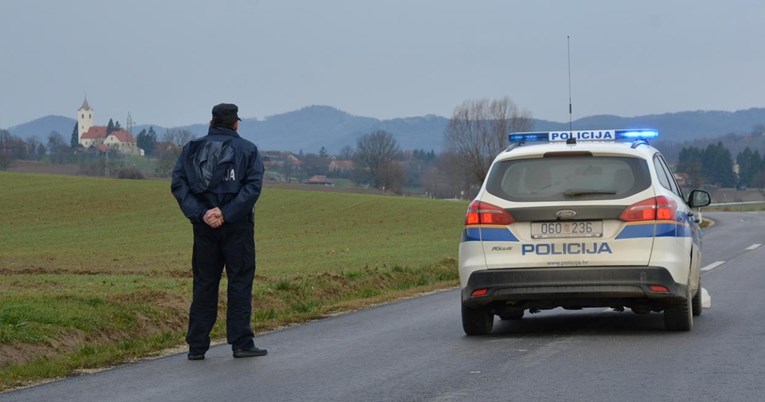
x,y
96,272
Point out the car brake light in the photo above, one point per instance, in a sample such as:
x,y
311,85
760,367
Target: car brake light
x,y
656,208
658,289
479,293
482,213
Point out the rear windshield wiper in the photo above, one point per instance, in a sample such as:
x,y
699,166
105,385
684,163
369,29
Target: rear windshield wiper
x,y
579,193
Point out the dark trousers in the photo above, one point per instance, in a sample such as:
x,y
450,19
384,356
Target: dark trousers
x,y
232,246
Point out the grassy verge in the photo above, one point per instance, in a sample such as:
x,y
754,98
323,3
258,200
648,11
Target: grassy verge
x,y
95,272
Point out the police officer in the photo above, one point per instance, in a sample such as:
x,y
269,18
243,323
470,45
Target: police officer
x,y
217,180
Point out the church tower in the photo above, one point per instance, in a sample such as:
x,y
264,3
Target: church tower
x,y
84,119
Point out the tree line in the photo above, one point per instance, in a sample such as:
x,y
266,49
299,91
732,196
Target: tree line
x,y
476,133
714,166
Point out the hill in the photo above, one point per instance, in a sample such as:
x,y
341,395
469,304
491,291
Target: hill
x,y
43,126
310,128
679,127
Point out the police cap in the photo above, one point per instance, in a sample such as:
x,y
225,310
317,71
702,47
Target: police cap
x,y
225,114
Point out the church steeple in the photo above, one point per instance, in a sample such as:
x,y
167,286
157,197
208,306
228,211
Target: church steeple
x,y
85,105
84,119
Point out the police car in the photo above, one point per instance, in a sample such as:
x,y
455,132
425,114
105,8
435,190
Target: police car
x,y
581,219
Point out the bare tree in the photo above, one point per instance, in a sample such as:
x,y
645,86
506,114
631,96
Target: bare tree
x,y
346,153
392,177
169,155
478,131
33,142
375,153
178,136
58,150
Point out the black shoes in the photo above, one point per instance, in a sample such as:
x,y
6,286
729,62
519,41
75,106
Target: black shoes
x,y
252,352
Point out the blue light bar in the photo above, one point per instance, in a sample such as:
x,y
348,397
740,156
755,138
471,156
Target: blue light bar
x,y
636,134
583,135
528,137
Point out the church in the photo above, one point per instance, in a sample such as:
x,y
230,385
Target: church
x,y
98,138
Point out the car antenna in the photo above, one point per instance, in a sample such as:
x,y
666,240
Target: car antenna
x,y
570,108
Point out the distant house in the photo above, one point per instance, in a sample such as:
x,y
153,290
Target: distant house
x,y
319,180
96,137
120,140
93,136
340,166
280,159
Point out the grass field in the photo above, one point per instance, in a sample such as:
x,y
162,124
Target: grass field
x,y
95,271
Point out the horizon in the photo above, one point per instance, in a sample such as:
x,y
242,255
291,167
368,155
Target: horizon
x,y
122,123
167,63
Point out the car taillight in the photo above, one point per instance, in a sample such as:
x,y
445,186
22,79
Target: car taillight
x,y
482,213
652,209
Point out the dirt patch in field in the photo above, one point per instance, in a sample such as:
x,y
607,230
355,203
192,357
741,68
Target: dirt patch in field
x,y
175,306
22,353
21,166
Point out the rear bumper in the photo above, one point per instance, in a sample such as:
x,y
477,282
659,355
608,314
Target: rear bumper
x,y
573,287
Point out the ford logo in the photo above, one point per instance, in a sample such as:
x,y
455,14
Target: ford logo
x,y
565,214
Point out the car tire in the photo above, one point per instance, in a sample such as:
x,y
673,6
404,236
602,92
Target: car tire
x,y
477,321
511,315
679,316
696,302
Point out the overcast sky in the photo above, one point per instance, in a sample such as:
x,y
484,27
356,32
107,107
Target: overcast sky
x,y
167,62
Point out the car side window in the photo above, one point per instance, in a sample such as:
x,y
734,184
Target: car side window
x,y
665,175
661,173
674,187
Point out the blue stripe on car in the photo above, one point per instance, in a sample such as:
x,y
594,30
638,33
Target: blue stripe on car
x,y
664,229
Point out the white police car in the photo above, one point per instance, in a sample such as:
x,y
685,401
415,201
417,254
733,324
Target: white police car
x,y
581,219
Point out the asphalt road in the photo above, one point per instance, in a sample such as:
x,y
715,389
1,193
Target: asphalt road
x,y
415,350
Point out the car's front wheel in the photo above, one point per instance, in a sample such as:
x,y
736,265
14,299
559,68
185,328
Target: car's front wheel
x,y
477,321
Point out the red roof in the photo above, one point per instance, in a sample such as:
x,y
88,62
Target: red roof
x,y
99,132
123,136
318,179
95,132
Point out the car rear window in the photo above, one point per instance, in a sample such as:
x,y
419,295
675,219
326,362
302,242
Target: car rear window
x,y
568,178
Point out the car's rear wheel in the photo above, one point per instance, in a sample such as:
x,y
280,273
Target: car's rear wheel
x,y
679,316
477,321
696,302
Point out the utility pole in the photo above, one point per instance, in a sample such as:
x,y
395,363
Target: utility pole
x,y
130,123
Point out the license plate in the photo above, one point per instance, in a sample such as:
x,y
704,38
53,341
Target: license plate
x,y
547,230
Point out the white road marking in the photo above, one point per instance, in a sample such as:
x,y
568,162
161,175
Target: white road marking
x,y
753,246
713,265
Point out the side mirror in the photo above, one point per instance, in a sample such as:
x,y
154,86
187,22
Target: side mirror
x,y
699,198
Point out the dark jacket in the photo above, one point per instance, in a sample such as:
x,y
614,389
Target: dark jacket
x,y
221,170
